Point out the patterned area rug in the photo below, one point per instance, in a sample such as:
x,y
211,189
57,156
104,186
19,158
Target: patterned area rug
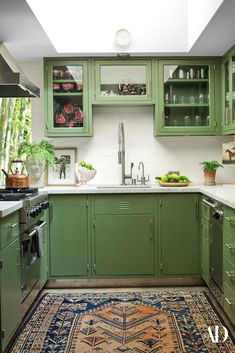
x,y
122,322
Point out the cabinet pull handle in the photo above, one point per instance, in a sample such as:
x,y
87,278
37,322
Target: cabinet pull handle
x,y
230,219
148,88
163,119
230,273
208,203
230,246
150,229
230,301
13,225
226,118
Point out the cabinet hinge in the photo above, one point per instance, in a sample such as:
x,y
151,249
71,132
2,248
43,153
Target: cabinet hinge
x,y
214,67
46,126
160,203
93,223
215,123
161,267
1,264
88,267
87,203
94,267
2,333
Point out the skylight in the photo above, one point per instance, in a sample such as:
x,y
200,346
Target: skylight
x,y
155,26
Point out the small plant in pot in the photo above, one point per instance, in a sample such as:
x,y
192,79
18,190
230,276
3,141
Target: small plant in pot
x,y
209,168
37,156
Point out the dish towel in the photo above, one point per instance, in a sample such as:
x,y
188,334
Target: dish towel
x,y
39,241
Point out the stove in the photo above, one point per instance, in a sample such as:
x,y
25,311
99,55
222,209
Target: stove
x,y
16,194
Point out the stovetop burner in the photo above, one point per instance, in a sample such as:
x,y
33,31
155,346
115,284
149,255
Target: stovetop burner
x,y
16,194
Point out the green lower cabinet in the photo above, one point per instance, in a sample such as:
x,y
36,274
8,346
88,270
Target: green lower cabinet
x,y
68,236
179,236
10,294
123,245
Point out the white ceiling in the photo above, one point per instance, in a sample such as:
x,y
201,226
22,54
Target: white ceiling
x,y
21,32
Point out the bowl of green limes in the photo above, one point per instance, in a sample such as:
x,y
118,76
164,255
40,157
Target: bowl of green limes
x,y
173,180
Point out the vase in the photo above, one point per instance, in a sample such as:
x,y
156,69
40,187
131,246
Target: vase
x,y
83,174
209,177
36,171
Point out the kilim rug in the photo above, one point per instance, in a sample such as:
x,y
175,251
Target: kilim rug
x,y
122,322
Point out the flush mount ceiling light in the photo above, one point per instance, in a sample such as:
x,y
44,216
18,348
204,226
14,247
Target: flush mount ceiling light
x,y
123,38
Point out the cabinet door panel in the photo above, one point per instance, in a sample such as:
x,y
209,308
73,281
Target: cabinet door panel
x,y
10,291
179,234
68,236
186,98
68,111
124,245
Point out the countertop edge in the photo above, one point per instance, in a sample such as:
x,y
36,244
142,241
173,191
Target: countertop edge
x,y
8,207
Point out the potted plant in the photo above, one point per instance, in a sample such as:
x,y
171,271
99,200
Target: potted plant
x,y
37,156
209,168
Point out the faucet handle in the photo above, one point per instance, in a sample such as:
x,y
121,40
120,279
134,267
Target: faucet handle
x,y
147,179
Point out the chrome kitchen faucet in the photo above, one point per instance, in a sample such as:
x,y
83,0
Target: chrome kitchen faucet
x,y
121,154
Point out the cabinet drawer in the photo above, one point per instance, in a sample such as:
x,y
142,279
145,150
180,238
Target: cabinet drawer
x,y
124,204
229,221
9,229
229,302
229,247
229,274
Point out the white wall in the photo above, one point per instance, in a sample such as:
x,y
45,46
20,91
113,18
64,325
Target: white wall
x,y
158,154
199,14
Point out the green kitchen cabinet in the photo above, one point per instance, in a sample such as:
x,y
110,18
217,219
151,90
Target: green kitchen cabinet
x,y
186,97
67,99
179,235
69,236
123,236
205,233
228,93
229,262
10,293
123,82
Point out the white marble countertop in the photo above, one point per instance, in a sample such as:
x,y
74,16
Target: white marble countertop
x,y
7,207
224,193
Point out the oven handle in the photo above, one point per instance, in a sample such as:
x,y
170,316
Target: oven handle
x,y
208,203
43,224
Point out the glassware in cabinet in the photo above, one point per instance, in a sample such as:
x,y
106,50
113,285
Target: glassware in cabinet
x,y
186,98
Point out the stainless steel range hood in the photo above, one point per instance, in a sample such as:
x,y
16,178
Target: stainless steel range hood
x,y
13,82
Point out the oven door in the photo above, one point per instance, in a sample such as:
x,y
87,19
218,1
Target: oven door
x,y
30,260
216,252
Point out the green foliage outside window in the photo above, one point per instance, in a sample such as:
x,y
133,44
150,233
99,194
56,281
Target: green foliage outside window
x,y
15,127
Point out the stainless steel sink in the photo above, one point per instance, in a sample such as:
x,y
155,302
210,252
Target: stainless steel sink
x,y
118,186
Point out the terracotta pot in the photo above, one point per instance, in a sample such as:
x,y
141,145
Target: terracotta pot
x,y
209,177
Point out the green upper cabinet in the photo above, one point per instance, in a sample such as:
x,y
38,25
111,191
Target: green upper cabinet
x,y
228,93
186,97
68,112
127,82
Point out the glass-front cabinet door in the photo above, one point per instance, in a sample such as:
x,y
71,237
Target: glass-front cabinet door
x,y
228,94
123,80
67,98
186,98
